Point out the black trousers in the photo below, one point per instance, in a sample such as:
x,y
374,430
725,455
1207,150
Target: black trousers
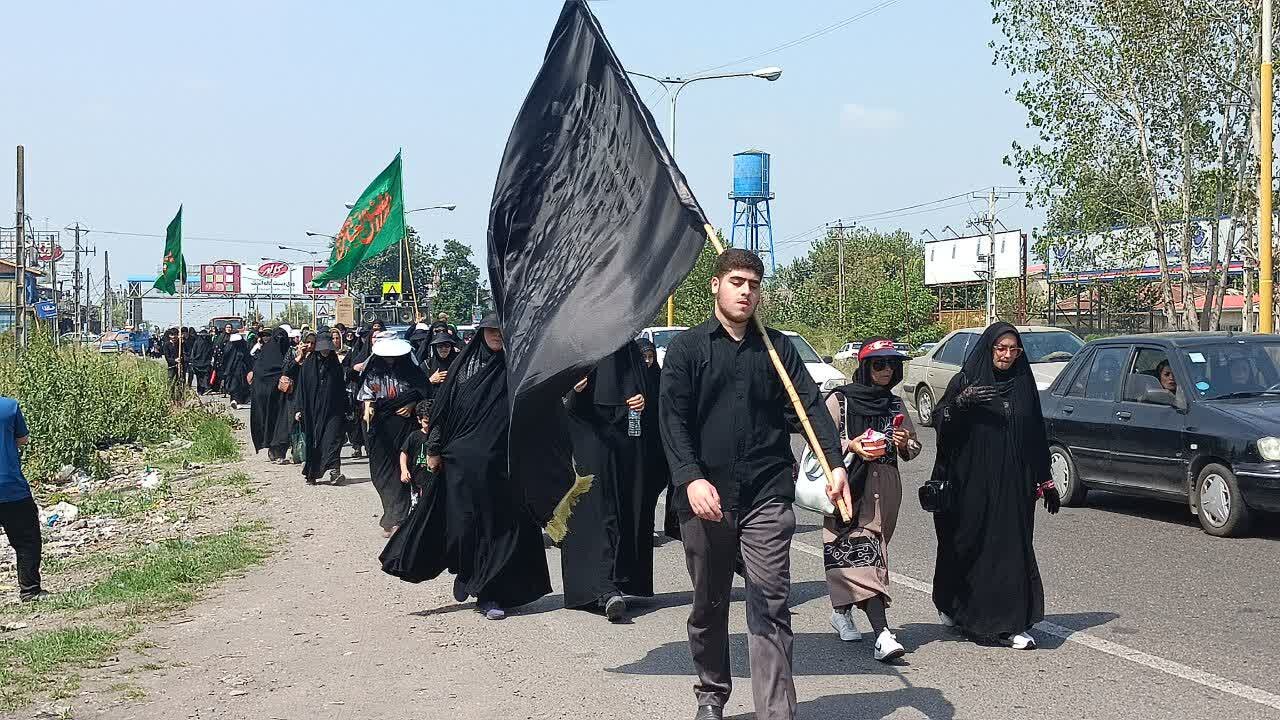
x,y
21,522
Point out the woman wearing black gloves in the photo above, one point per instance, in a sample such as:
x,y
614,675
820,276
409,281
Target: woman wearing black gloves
x,y
994,457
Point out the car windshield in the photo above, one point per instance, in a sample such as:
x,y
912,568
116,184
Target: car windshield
x,y
662,338
1046,347
802,346
1234,369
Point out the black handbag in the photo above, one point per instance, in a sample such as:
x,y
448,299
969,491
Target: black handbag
x,y
935,496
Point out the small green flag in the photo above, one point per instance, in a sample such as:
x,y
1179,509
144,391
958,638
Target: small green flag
x,y
175,265
376,223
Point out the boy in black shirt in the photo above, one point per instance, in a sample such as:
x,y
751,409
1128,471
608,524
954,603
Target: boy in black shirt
x,y
726,426
413,454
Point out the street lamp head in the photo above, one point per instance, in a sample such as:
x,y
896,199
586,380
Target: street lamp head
x,y
348,205
769,73
449,207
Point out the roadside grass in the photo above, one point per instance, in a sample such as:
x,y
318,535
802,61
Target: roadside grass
x,y
238,481
212,440
123,503
34,664
168,573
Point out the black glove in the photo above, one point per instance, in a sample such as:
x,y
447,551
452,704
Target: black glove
x,y
1052,501
975,395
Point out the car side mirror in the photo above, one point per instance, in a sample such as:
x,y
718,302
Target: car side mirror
x,y
828,359
1159,397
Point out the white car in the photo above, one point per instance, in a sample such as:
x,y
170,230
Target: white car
x,y
660,337
848,351
820,369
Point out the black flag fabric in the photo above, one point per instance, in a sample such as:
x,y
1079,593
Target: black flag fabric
x,y
592,226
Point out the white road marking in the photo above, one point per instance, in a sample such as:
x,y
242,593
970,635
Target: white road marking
x,y
1114,649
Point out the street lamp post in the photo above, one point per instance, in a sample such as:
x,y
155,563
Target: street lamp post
x,y
674,85
315,314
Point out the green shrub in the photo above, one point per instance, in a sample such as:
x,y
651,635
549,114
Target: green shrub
x,y
77,401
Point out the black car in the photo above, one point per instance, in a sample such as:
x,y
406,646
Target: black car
x,y
1192,417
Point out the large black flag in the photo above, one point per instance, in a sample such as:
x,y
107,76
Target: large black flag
x,y
592,225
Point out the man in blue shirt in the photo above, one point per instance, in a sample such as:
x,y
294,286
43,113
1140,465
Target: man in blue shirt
x,y
18,513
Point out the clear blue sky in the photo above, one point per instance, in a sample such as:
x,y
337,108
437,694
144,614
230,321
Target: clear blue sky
x,y
264,118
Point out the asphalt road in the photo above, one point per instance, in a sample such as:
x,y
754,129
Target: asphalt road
x,y
1148,617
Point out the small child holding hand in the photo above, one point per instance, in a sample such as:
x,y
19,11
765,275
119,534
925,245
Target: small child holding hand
x,y
413,454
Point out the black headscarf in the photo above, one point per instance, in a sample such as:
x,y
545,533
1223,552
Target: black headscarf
x,y
434,361
273,358
477,382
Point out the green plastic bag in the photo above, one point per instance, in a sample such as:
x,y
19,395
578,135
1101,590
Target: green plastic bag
x,y
298,445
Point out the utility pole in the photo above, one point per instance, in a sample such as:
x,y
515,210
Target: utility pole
x,y
106,289
19,270
77,324
1266,323
840,265
991,257
88,305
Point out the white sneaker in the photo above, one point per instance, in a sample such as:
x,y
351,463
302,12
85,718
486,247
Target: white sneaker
x,y
842,623
945,619
1021,641
888,648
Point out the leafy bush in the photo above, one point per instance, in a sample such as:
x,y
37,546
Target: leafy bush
x,y
77,401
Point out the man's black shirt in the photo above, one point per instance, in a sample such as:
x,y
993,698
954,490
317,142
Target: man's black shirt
x,y
726,416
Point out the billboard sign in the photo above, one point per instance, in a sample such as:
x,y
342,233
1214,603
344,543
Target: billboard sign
x,y
222,277
332,289
963,259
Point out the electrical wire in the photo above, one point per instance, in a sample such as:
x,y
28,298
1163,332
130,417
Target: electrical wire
x,y
804,39
204,238
922,208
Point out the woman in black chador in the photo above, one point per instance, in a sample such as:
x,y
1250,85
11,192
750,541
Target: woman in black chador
x,y
608,550
321,407
269,417
473,520
993,453
441,354
390,386
233,370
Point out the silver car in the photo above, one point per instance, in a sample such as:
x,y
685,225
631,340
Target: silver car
x,y
926,377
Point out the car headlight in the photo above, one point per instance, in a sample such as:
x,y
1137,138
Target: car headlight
x,y
834,383
1269,448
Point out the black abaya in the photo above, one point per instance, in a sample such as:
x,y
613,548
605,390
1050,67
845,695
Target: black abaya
x,y
995,454
321,398
233,370
269,418
473,520
608,549
387,431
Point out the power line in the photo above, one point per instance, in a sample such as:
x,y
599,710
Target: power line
x,y
801,40
209,239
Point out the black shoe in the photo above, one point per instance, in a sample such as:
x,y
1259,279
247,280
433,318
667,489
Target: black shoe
x,y
311,481
615,608
709,712
35,596
336,477
459,593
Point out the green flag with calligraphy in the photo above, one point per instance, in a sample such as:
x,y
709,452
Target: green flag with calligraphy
x,y
174,266
376,223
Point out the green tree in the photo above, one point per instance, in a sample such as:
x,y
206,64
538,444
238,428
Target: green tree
x,y
1141,110
393,265
459,282
295,314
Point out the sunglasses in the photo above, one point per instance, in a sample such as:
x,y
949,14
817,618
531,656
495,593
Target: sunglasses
x,y
881,364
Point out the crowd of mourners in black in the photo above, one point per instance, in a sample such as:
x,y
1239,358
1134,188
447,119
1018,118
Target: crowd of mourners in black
x,y
710,429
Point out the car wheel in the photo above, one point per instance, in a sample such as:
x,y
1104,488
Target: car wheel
x,y
1221,509
924,405
1063,471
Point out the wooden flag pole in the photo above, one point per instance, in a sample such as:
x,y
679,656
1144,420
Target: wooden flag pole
x,y
413,290
810,436
182,371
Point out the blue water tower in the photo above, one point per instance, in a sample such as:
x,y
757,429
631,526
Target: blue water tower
x,y
752,220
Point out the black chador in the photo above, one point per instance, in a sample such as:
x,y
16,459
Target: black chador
x,y
608,550
202,361
321,401
269,418
473,520
233,369
391,385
